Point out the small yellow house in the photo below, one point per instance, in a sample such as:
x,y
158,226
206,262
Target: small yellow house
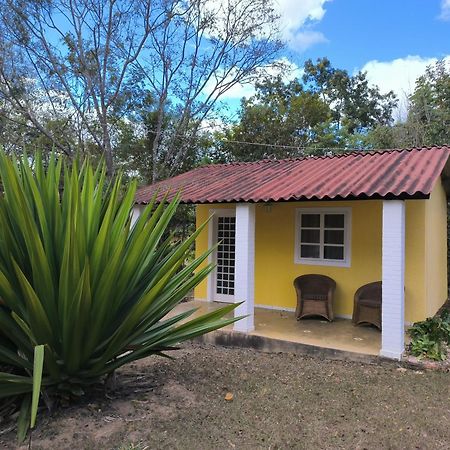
x,y
357,217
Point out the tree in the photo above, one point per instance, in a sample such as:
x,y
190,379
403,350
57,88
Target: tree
x,y
325,110
136,136
75,61
134,149
429,113
428,118
241,39
88,61
355,104
278,114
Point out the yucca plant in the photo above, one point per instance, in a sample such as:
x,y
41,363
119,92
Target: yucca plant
x,y
82,291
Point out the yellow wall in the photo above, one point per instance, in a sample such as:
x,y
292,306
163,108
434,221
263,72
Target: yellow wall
x,y
436,250
275,269
274,264
415,304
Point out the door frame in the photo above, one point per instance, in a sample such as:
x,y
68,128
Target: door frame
x,y
212,296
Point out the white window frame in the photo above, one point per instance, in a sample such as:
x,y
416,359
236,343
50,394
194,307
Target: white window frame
x,y
347,212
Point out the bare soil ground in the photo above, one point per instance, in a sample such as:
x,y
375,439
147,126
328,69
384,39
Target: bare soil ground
x,y
280,401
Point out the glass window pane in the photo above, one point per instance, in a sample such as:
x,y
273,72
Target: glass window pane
x,y
310,236
310,220
334,220
333,252
334,237
309,251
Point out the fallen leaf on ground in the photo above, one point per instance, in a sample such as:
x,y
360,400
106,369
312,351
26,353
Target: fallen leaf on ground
x,y
229,397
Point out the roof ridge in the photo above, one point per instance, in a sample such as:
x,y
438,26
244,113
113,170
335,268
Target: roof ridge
x,y
350,152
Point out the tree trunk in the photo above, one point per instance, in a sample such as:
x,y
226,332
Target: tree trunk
x,y
156,141
107,150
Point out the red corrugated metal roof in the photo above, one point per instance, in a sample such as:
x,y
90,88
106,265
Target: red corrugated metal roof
x,y
404,174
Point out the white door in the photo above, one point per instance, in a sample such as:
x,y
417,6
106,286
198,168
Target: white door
x,y
224,234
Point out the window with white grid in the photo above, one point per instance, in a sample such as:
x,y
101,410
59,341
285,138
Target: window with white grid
x,y
226,236
323,236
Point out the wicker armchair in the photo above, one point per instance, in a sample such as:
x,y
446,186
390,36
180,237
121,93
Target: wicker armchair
x,y
367,305
314,296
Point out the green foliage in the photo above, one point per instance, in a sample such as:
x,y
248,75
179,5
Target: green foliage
x,y
278,114
425,347
430,338
83,291
355,105
138,153
430,105
428,119
325,110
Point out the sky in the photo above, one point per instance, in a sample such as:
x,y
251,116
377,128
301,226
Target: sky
x,y
393,40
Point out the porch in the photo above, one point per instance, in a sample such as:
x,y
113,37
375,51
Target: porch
x,y
255,233
339,335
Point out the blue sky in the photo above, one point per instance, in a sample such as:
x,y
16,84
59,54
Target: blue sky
x,y
361,30
393,40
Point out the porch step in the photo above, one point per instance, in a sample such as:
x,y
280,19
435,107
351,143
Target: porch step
x,y
228,338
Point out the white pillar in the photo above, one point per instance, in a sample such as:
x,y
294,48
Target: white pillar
x,y
244,272
135,213
393,279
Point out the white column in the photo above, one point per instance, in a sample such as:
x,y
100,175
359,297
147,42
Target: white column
x,y
135,213
393,279
244,273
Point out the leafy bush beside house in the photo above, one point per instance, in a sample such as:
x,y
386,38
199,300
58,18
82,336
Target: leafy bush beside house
x,y
82,290
431,337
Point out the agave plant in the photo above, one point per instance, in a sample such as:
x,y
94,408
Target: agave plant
x,y
83,291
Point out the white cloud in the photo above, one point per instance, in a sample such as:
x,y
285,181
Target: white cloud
x,y
294,16
282,66
398,75
445,10
305,39
238,91
295,13
296,19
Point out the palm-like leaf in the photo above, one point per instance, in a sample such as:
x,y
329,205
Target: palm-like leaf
x,y
81,284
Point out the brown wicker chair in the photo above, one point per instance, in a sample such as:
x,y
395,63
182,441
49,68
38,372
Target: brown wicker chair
x,y
367,305
314,296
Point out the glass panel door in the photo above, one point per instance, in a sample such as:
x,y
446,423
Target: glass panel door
x,y
225,258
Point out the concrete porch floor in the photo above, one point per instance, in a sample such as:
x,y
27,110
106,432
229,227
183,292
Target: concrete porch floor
x,y
340,334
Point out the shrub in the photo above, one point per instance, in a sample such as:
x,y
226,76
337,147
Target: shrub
x,y
84,292
431,337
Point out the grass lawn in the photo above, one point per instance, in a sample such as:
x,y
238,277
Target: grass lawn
x,y
279,401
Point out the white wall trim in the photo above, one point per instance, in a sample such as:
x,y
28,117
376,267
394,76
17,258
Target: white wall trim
x,y
286,309
344,316
347,211
135,213
278,308
244,274
210,278
393,279
275,308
